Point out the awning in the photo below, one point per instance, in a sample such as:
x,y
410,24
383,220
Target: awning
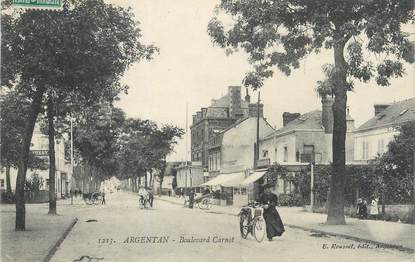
x,y
236,181
224,179
254,177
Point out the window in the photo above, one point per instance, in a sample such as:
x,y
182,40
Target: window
x,y
1,183
264,153
47,182
275,155
381,146
365,150
285,154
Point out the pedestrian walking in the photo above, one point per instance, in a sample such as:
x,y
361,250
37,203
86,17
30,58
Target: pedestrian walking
x,y
374,209
191,198
150,196
103,197
274,225
362,209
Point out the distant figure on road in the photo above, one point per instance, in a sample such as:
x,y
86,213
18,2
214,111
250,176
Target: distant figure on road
x,y
274,225
150,196
361,208
191,198
103,197
143,194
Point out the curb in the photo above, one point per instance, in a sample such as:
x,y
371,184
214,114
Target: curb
x,y
357,239
52,250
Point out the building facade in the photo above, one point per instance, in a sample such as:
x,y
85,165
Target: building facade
x,y
304,139
40,147
221,113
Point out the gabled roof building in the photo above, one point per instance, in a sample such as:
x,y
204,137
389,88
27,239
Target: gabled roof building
x,y
372,138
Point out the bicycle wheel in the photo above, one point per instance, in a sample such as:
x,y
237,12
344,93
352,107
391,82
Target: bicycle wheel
x,y
259,228
208,203
204,204
244,225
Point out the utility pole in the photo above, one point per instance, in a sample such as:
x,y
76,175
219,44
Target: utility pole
x,y
187,130
312,185
256,148
72,179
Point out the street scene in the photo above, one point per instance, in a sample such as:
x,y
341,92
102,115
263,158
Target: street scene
x,y
221,130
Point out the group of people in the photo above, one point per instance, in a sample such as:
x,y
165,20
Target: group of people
x,y
146,195
361,209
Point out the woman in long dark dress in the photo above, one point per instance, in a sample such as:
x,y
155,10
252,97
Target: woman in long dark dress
x,y
274,225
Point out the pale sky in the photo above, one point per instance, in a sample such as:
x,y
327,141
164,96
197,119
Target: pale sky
x,y
190,69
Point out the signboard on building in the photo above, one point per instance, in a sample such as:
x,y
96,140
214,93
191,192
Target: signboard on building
x,y
40,152
37,3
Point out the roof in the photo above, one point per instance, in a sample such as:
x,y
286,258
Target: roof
x,y
224,102
310,120
395,114
240,121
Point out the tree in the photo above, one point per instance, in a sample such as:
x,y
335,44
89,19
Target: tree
x,y
81,55
96,136
365,35
396,166
163,144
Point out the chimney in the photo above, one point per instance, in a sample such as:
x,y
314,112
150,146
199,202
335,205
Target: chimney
x,y
327,114
288,117
253,110
349,121
204,112
247,96
235,101
379,108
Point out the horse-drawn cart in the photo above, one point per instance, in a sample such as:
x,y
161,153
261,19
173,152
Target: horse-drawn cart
x,y
94,198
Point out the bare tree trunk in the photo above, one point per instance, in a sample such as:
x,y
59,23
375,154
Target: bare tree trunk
x,y
151,178
336,197
134,184
145,178
8,182
24,157
52,166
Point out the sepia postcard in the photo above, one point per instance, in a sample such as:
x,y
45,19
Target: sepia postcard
x,y
207,130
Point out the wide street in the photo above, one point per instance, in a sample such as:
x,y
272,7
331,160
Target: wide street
x,y
120,231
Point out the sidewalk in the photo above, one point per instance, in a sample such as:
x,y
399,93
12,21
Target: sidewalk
x,y
389,234
43,233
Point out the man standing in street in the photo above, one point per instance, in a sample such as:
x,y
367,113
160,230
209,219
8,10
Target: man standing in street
x,y
103,197
191,198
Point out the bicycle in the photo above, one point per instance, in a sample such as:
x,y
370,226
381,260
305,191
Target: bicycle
x,y
204,202
143,202
252,221
94,198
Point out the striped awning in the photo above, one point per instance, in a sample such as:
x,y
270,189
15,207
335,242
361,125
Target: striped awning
x,y
226,180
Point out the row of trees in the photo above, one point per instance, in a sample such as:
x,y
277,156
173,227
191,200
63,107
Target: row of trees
x,y
61,63
110,144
